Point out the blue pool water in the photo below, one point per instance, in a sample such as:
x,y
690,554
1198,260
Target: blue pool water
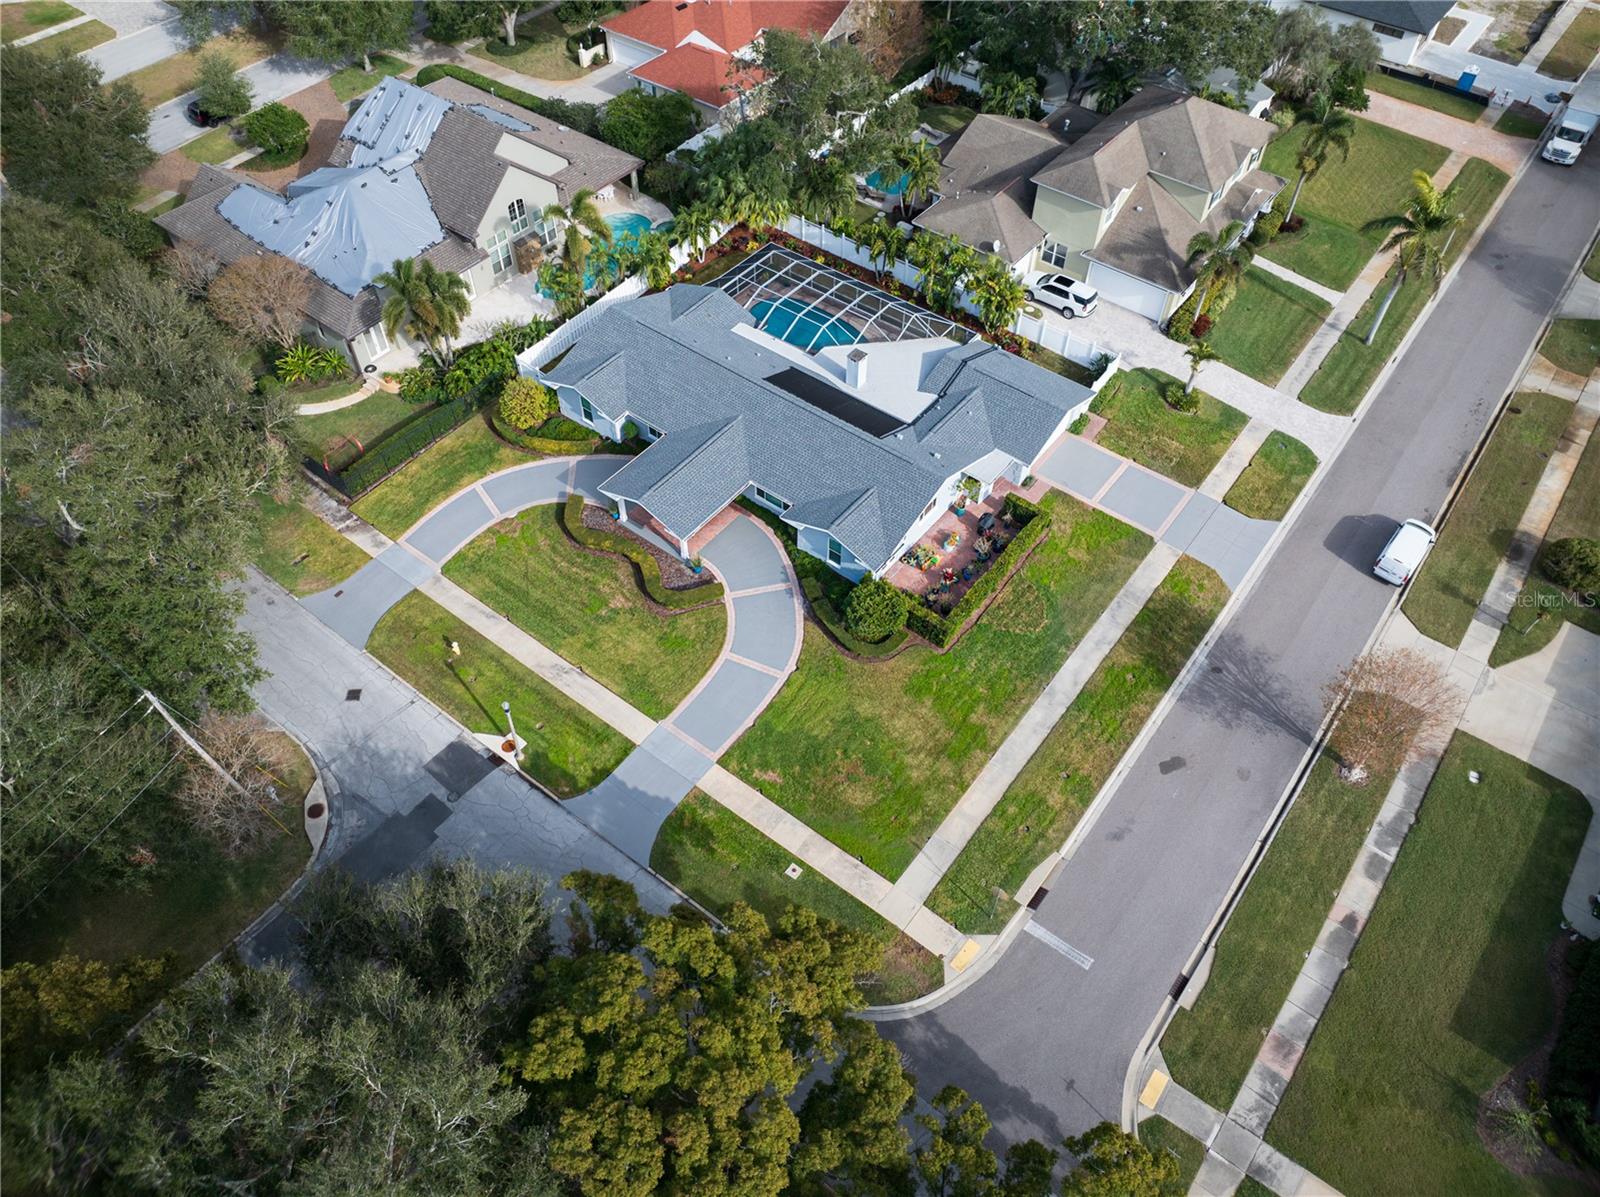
x,y
626,229
792,323
876,181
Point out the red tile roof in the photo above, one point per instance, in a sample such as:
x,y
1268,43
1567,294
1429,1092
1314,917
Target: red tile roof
x,y
730,24
696,72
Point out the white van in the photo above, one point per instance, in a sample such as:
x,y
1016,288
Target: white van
x,y
1403,555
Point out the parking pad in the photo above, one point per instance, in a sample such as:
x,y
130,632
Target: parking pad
x,y
1142,498
1229,543
1079,466
721,708
451,526
763,628
744,556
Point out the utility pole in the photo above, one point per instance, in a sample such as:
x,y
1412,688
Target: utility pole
x,y
157,706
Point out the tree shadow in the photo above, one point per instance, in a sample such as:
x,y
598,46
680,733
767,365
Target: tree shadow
x,y
1241,687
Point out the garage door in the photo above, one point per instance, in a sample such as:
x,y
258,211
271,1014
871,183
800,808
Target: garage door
x,y
1127,291
627,51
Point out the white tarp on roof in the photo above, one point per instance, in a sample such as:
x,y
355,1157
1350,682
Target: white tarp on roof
x,y
397,118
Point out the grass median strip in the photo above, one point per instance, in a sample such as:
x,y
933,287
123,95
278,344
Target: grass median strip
x,y
33,16
569,750
1211,1047
1573,345
588,608
873,754
1446,991
173,76
300,552
1276,474
1162,1138
718,859
1267,325
1045,802
1448,102
1479,528
463,456
1140,425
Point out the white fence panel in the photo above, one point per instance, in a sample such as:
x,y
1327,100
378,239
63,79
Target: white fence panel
x,y
564,334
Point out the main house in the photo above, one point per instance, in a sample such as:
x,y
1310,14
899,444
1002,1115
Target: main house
x,y
859,446
702,48
448,173
1111,201
1402,27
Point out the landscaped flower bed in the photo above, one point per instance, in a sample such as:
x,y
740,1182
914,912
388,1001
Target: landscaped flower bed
x,y
943,629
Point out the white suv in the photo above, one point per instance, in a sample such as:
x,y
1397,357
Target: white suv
x,y
1068,297
1403,555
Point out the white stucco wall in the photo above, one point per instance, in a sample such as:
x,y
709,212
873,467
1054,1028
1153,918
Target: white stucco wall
x,y
1399,50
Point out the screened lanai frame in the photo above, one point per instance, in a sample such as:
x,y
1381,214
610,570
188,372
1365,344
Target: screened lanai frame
x,y
829,298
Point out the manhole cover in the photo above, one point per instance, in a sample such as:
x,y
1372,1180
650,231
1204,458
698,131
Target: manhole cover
x,y
352,695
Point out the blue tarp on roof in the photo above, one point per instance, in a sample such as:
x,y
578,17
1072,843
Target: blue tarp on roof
x,y
396,119
500,118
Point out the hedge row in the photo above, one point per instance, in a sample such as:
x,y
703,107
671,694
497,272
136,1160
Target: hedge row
x,y
556,446
831,619
585,118
389,454
625,546
941,630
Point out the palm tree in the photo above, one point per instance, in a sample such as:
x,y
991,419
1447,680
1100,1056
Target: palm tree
x,y
694,227
409,305
920,163
885,242
1009,95
947,44
583,220
1414,237
759,208
1114,81
1222,261
1330,128
653,257
1198,353
996,293
449,301
825,190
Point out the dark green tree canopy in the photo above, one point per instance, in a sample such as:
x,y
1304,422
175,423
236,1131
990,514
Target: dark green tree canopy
x,y
336,32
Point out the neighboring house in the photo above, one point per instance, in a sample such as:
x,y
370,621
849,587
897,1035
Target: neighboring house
x,y
1402,26
447,173
703,48
859,447
1112,201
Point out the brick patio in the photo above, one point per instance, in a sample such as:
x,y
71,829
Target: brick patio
x,y
932,580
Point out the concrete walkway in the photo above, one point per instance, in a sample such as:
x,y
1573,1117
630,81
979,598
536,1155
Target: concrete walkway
x,y
30,39
1305,284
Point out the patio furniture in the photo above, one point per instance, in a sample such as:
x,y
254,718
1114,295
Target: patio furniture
x,y
986,521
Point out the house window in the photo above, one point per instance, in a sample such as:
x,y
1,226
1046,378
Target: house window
x,y
1055,253
655,433
376,341
835,552
587,408
499,247
1215,196
544,229
772,500
519,216
1387,30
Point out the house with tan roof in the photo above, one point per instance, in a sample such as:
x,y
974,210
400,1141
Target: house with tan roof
x,y
1111,201
703,48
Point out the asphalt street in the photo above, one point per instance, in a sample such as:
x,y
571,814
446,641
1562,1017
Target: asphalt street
x,y
1044,1042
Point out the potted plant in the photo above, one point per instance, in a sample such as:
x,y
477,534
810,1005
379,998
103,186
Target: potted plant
x,y
696,565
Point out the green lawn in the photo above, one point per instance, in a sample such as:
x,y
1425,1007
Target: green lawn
x,y
165,205
192,908
1140,425
541,50
300,552
1448,102
1043,805
1322,251
1591,264
873,755
1541,609
416,488
1161,1137
339,437
1447,989
1211,1047
352,81
588,608
719,859
171,77
33,16
214,146
1351,365
1515,123
1573,345
1275,475
945,118
1267,325
1575,49
569,750
1479,528
75,40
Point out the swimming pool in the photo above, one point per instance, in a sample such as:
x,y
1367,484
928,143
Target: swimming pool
x,y
876,182
792,323
626,229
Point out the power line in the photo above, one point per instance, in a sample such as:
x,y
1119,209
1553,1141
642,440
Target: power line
x,y
44,810
65,765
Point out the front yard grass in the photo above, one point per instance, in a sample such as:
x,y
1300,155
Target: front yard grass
x,y
33,16
1276,474
945,118
215,146
569,750
339,437
1591,264
1448,102
352,81
1140,425
1211,1047
1515,123
1575,49
1267,325
416,488
1043,805
718,859
297,550
873,755
1573,345
172,77
1446,991
1162,1138
1322,251
1479,528
1351,365
541,50
75,40
1541,609
588,608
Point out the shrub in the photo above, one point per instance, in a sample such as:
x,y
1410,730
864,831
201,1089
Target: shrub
x,y
388,455
1574,1075
1178,399
219,89
1573,564
649,572
480,368
822,607
279,130
307,363
1293,225
419,383
1183,319
526,403
648,126
1201,325
942,630
582,117
874,610
134,231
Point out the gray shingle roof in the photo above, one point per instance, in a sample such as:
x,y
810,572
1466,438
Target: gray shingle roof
x,y
983,184
1415,16
673,361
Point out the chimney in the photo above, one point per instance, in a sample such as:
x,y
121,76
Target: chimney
x,y
856,368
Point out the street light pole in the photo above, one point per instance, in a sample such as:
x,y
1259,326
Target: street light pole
x,y
511,727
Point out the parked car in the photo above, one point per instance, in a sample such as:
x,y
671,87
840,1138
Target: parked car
x,y
1067,296
1402,556
204,119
